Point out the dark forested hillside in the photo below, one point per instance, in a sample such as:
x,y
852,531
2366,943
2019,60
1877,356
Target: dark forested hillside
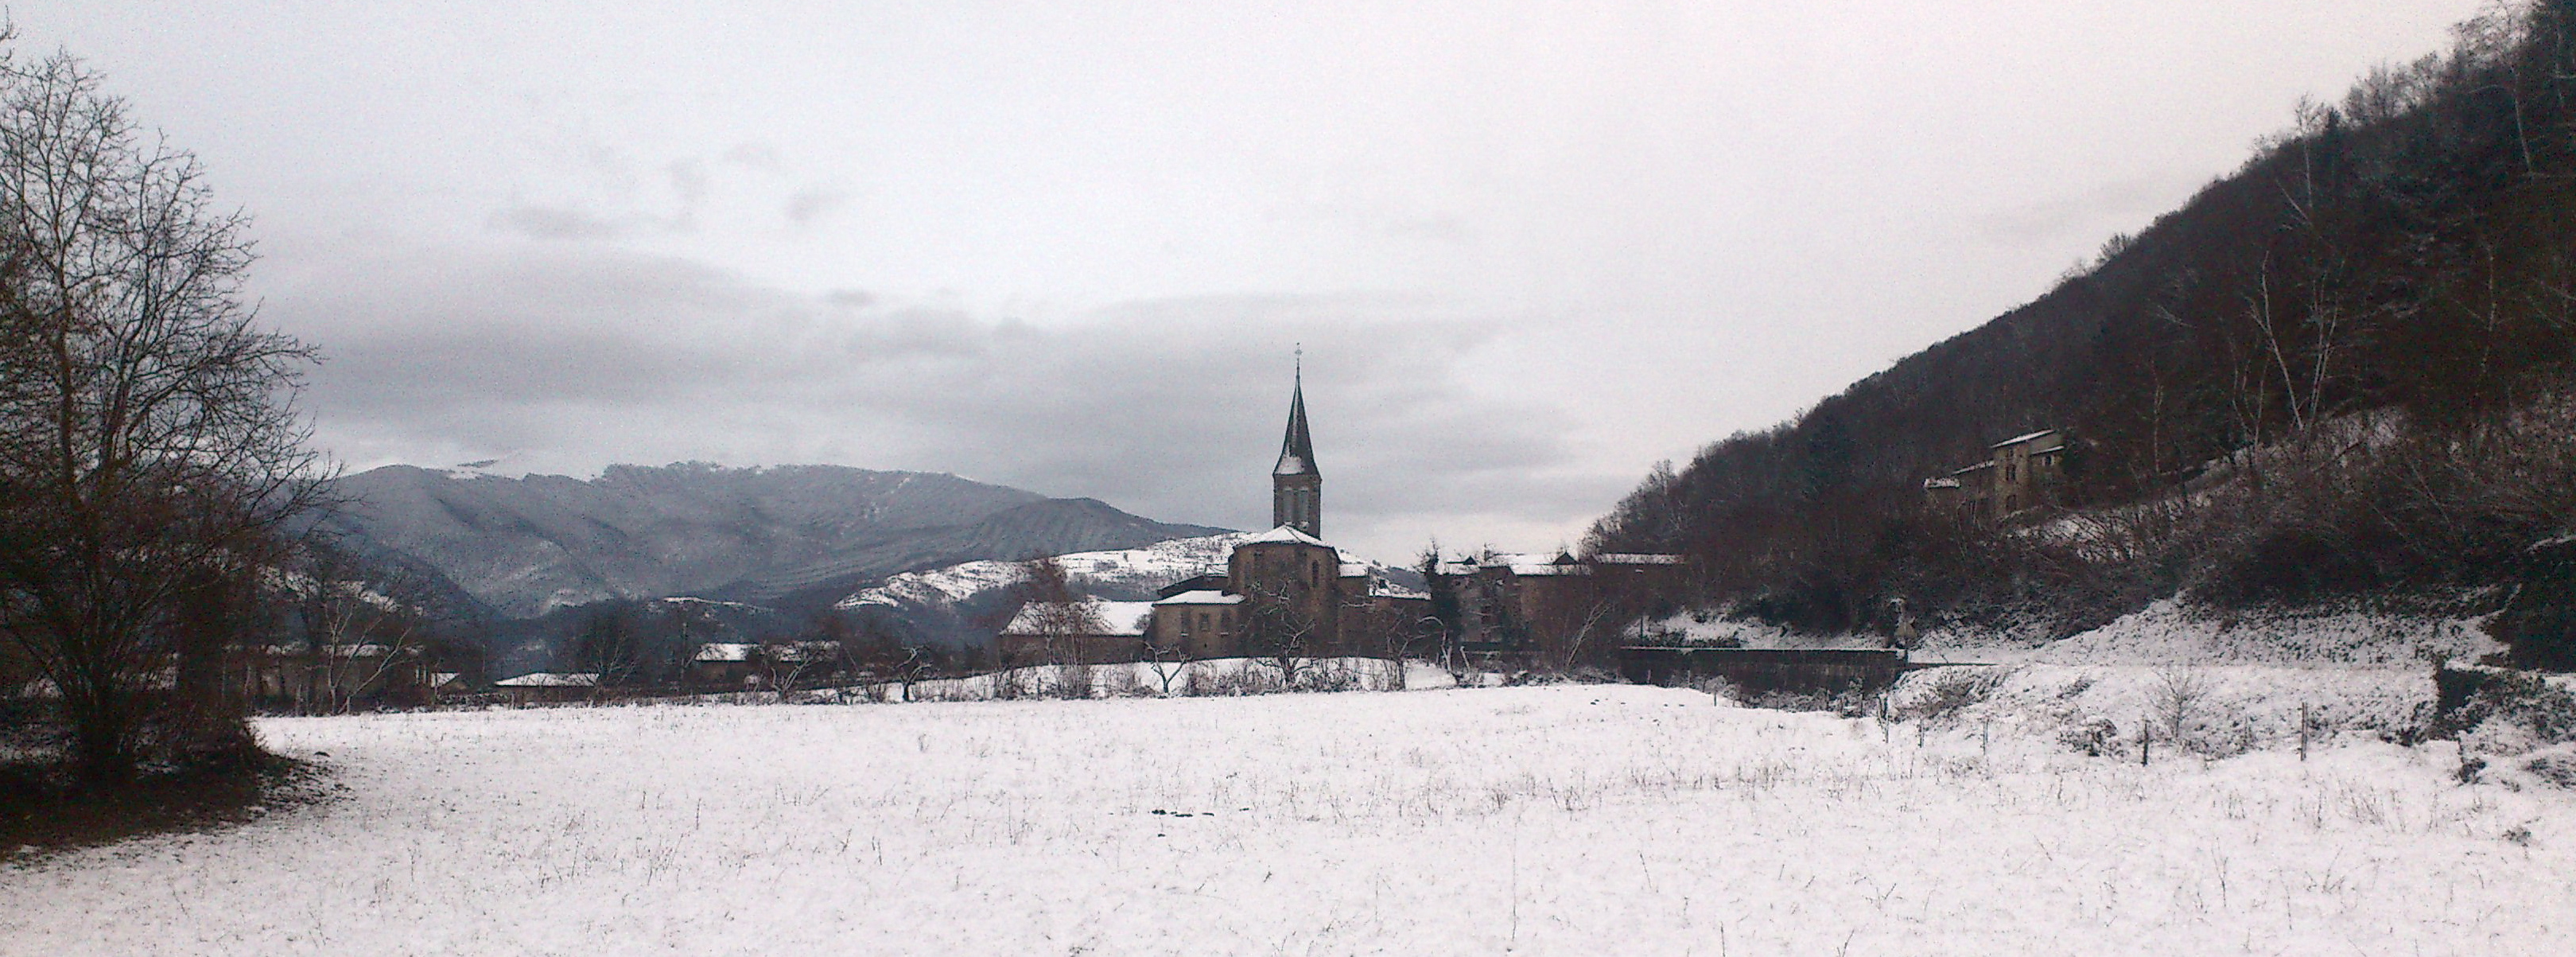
x,y
2382,300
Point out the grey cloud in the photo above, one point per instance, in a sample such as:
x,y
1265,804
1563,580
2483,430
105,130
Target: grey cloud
x,y
760,156
812,203
1443,228
1170,408
689,185
554,222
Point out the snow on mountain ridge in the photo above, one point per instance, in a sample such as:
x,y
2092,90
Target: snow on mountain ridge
x,y
1130,571
780,534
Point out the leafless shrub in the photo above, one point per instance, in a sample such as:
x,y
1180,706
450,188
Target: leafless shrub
x,y
1331,674
2176,698
2093,737
1121,681
1073,680
1953,691
1390,674
1010,684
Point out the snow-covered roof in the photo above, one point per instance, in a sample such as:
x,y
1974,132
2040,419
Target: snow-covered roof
x,y
1202,596
2019,439
1550,569
1284,533
1116,617
1381,588
443,679
550,679
1944,482
724,651
332,651
1979,467
1355,569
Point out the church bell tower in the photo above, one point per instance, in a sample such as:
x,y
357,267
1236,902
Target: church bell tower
x,y
1296,487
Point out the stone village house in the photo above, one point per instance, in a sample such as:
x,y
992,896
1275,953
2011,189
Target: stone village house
x,y
2022,474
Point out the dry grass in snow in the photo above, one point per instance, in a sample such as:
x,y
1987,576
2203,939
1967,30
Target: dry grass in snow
x,y
1550,820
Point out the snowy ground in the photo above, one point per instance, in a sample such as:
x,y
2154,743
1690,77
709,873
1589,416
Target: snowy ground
x,y
1568,819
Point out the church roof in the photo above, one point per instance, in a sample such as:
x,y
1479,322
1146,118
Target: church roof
x,y
1297,450
1284,533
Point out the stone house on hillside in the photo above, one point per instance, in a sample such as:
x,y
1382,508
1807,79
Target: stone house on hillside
x,y
2023,473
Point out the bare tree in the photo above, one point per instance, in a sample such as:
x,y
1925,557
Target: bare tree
x,y
147,437
789,664
1169,659
1062,619
1282,626
611,645
364,627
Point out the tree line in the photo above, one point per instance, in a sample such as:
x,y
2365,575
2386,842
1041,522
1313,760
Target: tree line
x,y
2341,369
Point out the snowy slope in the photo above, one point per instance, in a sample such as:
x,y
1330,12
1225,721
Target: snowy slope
x,y
961,602
1569,819
531,544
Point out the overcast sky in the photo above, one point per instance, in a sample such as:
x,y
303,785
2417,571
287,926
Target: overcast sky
x,y
1530,248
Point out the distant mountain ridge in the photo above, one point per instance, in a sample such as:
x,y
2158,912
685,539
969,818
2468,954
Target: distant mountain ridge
x,y
778,535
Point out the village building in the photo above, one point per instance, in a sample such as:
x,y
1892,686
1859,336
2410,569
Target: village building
x,y
332,677
723,666
719,666
1197,623
1287,591
1554,609
1284,591
548,687
2022,473
1087,632
449,686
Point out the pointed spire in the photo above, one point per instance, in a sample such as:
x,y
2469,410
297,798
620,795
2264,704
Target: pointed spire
x,y
1297,450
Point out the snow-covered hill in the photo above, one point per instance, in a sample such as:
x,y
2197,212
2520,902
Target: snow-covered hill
x,y
955,602
790,535
963,602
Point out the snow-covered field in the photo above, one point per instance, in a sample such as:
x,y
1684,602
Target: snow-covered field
x,y
1569,819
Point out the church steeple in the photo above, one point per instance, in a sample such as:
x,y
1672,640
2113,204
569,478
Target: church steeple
x,y
1296,486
